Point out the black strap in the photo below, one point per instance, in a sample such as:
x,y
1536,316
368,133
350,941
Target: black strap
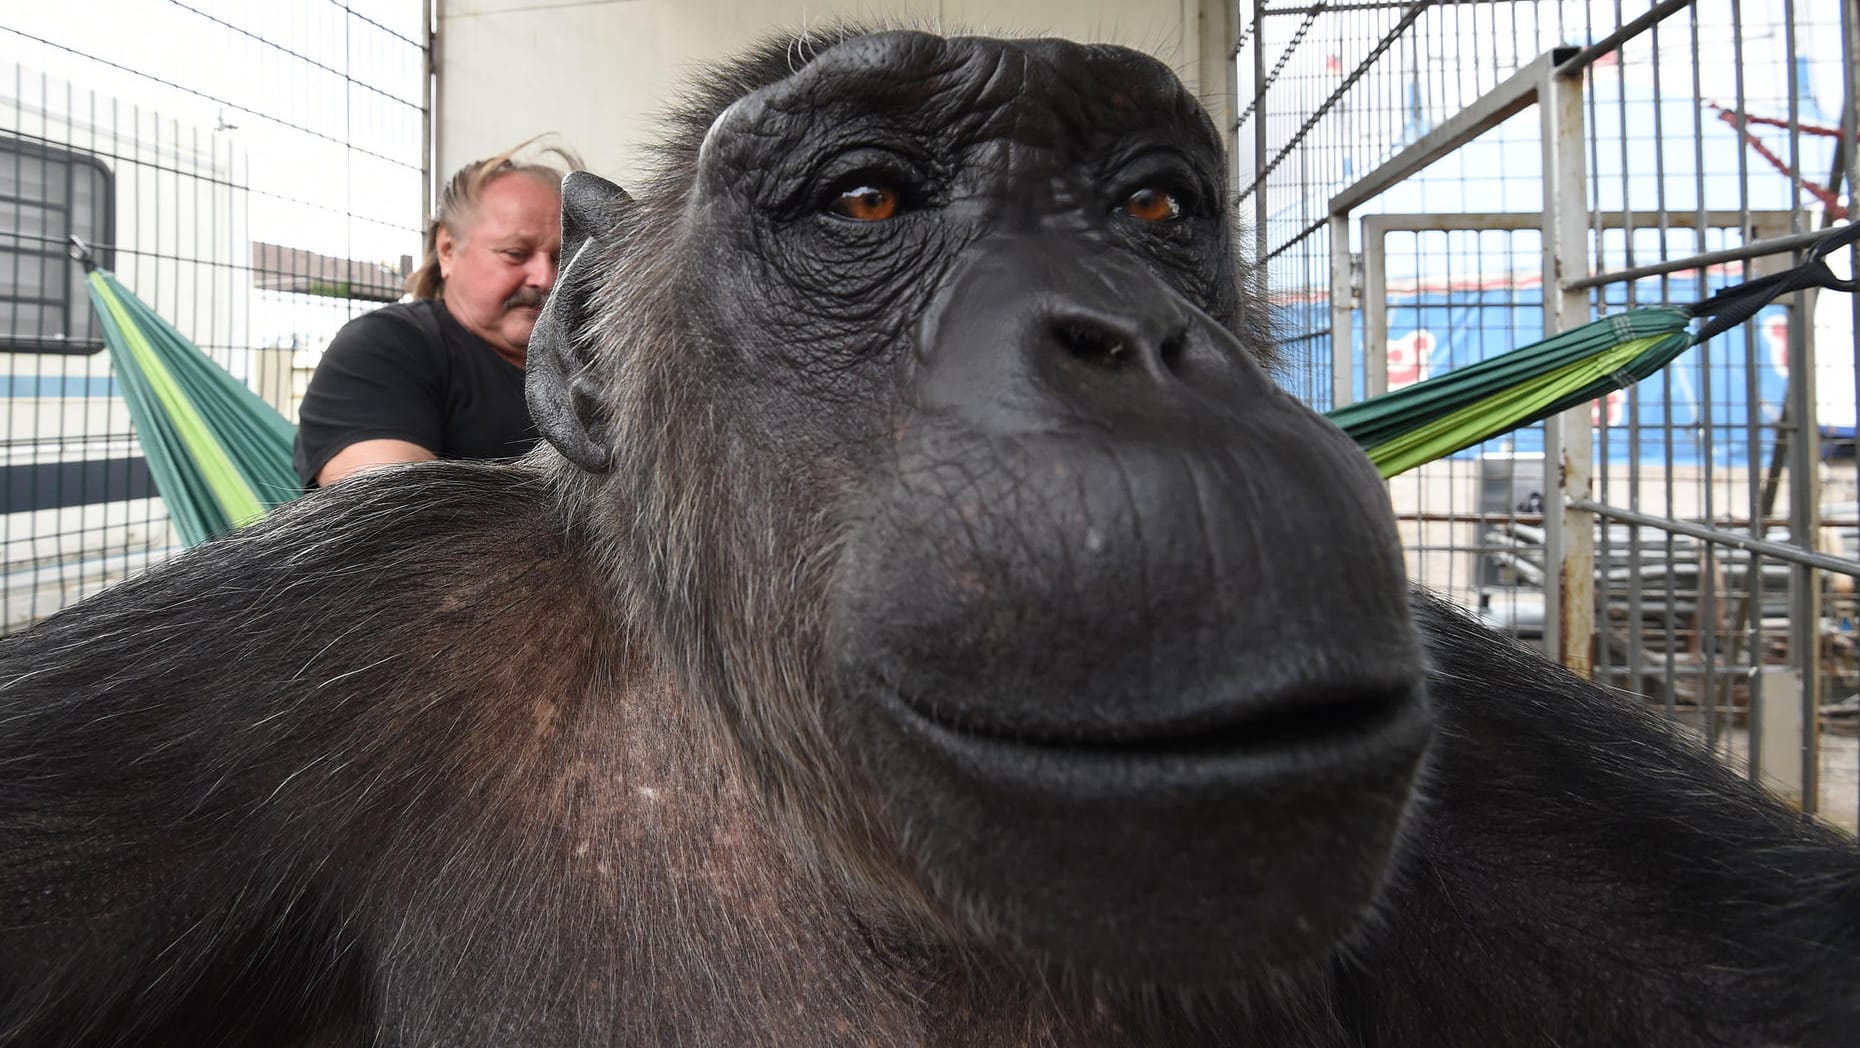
x,y
1738,303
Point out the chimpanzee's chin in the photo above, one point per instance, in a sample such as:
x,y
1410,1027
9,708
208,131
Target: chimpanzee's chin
x,y
1191,860
1151,744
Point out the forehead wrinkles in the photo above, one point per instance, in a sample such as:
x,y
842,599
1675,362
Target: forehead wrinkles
x,y
997,93
1104,93
960,89
1038,98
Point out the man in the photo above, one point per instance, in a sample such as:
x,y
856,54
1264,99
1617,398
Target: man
x,y
442,376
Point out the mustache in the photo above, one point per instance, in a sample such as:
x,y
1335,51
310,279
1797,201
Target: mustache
x,y
525,296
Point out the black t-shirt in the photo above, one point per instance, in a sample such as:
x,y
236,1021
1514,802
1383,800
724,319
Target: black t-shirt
x,y
410,371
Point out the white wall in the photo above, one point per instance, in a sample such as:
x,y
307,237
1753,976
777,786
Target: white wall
x,y
601,72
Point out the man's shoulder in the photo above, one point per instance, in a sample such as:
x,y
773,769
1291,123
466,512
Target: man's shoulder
x,y
422,314
401,327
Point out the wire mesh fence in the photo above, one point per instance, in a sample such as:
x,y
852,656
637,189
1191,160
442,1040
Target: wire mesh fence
x,y
254,172
1405,167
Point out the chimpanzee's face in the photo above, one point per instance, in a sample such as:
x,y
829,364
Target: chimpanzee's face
x,y
1114,628
850,191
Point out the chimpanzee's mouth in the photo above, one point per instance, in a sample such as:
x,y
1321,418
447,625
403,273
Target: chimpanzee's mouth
x,y
1339,721
1170,842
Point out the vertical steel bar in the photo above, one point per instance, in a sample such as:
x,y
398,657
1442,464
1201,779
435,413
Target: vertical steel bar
x,y
1850,137
1669,624
1374,297
1568,444
429,101
1342,312
1261,243
1804,457
1218,37
1709,612
1605,550
1747,631
1636,634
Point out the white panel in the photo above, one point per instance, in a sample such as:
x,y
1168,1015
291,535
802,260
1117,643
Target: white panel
x,y
602,74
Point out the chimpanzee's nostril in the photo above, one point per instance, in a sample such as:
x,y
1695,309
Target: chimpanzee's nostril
x,y
1118,342
1173,347
1094,343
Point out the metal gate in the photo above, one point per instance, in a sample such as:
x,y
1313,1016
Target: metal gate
x,y
1432,183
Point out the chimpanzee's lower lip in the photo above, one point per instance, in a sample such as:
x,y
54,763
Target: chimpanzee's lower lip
x,y
1257,737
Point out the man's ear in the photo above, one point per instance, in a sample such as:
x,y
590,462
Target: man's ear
x,y
563,392
444,244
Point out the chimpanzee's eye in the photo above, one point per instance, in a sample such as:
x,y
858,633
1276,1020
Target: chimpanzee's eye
x,y
1153,204
867,201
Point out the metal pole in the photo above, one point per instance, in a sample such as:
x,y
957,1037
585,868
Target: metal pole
x,y
1373,293
1850,130
1342,314
1789,553
429,96
1215,61
1569,536
1628,31
1742,253
1261,243
1804,472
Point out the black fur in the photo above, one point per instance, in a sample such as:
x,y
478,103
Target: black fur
x,y
245,828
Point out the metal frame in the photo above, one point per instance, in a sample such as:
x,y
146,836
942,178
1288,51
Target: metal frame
x,y
1337,144
1552,82
1760,226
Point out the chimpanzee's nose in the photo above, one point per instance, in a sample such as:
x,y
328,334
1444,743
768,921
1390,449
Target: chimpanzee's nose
x,y
1142,337
1032,330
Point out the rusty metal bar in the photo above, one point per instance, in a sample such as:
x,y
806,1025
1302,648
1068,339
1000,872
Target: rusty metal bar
x,y
1804,457
1569,539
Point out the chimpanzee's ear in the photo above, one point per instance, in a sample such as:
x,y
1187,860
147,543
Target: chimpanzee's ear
x,y
564,394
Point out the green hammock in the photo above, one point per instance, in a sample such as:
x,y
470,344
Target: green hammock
x,y
1434,418
1447,413
219,454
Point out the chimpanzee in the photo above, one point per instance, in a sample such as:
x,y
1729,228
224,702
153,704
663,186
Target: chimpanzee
x,y
929,626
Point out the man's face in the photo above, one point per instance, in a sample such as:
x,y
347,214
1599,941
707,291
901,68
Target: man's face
x,y
498,271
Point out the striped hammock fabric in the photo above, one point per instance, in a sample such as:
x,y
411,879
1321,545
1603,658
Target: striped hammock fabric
x,y
1434,418
219,454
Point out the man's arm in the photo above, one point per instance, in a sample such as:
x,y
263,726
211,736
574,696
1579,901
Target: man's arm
x,y
370,454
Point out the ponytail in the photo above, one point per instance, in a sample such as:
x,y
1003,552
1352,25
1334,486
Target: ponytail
x,y
426,281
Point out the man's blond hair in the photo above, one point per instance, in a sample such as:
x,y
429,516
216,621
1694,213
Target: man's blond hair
x,y
458,203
